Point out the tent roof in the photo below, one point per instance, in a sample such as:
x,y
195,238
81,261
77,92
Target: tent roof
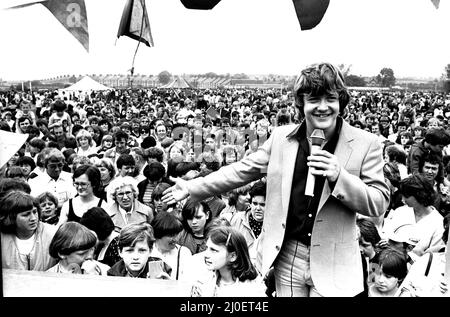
x,y
178,82
86,83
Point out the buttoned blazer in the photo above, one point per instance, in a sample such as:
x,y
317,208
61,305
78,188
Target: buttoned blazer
x,y
335,259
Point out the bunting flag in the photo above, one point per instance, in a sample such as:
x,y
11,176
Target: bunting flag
x,y
71,14
10,143
436,3
134,22
200,4
310,12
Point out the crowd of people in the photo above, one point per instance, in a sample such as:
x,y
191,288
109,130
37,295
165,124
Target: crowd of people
x,y
84,194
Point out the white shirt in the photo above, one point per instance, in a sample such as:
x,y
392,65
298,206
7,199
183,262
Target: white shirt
x,y
62,188
425,233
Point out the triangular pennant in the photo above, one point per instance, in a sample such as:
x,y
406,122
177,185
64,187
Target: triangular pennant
x,y
10,143
200,4
310,12
436,3
71,14
135,23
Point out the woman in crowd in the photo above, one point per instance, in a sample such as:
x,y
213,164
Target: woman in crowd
x,y
85,143
24,239
176,151
125,207
426,222
86,179
195,218
107,175
238,200
157,204
105,145
250,222
73,246
166,227
232,272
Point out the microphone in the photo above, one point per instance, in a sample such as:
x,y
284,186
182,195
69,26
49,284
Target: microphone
x,y
317,138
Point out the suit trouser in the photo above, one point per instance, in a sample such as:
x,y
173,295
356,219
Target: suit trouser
x,y
292,271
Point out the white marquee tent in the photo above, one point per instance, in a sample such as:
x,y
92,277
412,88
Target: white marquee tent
x,y
86,84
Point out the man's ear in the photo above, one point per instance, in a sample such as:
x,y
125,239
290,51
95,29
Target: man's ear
x,y
61,256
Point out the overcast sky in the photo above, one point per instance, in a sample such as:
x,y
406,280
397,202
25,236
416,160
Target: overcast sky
x,y
249,36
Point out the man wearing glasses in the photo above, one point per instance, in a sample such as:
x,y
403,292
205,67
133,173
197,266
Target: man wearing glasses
x,y
55,180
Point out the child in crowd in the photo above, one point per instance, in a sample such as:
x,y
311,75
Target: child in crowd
x,y
73,245
135,244
393,270
369,239
48,205
232,272
195,218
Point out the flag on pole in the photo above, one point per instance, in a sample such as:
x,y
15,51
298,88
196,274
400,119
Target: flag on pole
x,y
200,4
10,143
310,12
71,14
134,22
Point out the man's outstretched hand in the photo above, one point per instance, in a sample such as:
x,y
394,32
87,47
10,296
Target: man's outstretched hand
x,y
177,192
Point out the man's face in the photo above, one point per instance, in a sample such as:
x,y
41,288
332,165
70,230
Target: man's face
x,y
127,170
366,248
161,132
135,126
375,129
54,168
430,170
401,129
209,143
24,124
34,151
121,144
59,132
321,112
145,122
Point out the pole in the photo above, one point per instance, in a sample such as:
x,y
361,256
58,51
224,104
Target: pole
x,y
22,87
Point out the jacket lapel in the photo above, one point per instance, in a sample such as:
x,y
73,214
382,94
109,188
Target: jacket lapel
x,y
343,152
287,165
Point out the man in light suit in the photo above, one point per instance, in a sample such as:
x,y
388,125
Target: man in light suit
x,y
311,242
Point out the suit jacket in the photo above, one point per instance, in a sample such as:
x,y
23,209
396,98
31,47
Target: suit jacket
x,y
335,259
